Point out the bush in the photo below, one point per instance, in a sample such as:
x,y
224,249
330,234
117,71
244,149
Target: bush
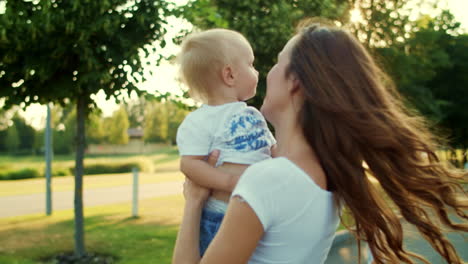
x,y
96,168
61,172
25,173
100,168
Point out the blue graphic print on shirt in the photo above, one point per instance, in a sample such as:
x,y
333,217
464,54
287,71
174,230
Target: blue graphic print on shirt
x,y
247,132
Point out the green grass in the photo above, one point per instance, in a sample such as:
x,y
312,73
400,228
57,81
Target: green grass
x,y
8,162
31,186
108,230
165,167
18,167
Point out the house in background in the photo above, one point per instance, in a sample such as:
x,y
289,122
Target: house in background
x,y
135,145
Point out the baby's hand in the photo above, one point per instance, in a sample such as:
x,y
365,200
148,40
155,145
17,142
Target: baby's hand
x,y
194,192
213,157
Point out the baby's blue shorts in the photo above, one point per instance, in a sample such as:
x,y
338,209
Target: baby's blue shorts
x,y
209,226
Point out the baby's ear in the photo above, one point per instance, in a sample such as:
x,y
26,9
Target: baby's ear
x,y
227,74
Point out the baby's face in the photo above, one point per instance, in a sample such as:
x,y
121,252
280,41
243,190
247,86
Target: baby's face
x,y
246,74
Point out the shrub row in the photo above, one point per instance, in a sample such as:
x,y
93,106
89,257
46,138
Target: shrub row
x,y
25,173
101,168
98,168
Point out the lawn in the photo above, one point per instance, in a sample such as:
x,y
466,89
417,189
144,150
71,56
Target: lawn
x,y
66,183
64,163
109,230
164,167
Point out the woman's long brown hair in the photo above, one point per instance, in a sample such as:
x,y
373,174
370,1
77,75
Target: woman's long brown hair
x,y
357,124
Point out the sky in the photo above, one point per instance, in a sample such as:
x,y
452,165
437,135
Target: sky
x,y
164,77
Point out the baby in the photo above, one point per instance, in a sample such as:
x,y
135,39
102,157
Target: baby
x,y
217,66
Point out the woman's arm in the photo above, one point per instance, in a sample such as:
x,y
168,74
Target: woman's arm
x,y
187,248
236,239
238,236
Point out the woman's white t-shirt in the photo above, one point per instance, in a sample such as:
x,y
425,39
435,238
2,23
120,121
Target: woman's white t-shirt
x,y
299,218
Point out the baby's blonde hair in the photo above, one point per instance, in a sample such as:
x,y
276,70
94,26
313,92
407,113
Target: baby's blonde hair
x,y
202,56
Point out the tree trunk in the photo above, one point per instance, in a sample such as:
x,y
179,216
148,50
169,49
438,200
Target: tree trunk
x,y
80,146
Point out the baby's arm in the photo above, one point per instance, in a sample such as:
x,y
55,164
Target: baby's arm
x,y
199,171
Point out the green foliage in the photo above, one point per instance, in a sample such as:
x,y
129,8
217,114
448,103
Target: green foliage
x,y
65,51
384,21
20,136
4,119
156,122
108,168
95,132
39,138
90,169
117,126
3,134
429,68
136,112
24,173
60,50
64,133
175,117
12,141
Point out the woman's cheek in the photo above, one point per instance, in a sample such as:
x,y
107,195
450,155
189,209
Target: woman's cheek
x,y
266,108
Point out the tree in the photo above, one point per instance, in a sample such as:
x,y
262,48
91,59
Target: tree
x,y
156,123
267,24
25,133
4,120
95,131
38,146
4,124
12,141
175,117
117,127
384,22
65,133
429,68
65,51
136,112
450,86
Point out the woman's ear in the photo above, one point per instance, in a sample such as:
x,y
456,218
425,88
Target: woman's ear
x,y
227,75
295,85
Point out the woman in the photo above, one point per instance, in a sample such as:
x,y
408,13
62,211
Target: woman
x,y
337,123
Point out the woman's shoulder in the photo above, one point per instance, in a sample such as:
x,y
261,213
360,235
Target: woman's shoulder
x,y
269,165
273,171
281,171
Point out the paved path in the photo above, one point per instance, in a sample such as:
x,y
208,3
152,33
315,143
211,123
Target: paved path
x,y
35,203
344,250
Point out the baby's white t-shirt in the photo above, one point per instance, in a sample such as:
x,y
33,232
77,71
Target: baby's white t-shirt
x,y
239,131
299,218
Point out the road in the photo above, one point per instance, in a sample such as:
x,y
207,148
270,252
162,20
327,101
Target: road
x,y
35,203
